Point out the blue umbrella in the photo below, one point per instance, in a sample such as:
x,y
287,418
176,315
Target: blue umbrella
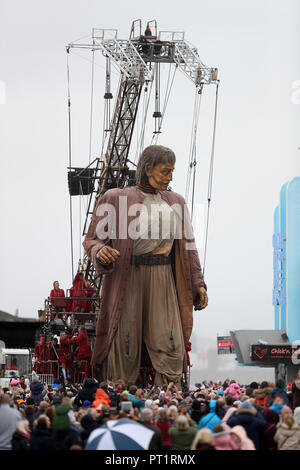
x,y
121,434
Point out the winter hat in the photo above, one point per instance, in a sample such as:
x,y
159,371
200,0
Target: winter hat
x,y
148,403
56,400
246,405
61,420
56,384
220,392
86,404
35,377
120,388
14,382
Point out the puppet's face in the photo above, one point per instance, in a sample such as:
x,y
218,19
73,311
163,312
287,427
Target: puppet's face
x,y
160,176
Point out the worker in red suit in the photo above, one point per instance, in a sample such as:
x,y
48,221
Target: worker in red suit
x,y
57,293
89,292
78,290
83,350
43,366
69,306
64,354
36,356
52,355
40,357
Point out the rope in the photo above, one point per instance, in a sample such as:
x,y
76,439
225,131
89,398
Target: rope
x,y
210,179
70,161
91,106
187,188
167,96
142,136
193,147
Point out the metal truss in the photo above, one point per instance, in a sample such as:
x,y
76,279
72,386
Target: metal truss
x,y
134,56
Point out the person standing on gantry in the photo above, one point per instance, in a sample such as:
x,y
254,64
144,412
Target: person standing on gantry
x,y
142,239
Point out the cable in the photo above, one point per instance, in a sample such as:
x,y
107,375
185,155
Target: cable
x,y
167,96
210,179
91,106
142,136
70,161
193,146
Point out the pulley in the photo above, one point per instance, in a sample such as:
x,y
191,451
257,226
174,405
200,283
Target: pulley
x,y
157,113
107,95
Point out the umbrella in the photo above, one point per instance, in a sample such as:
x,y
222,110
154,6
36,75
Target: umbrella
x,y
121,434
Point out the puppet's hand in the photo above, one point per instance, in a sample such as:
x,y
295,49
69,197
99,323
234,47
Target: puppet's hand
x,y
107,255
202,299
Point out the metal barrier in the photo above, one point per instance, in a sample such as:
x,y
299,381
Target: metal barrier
x,y
44,378
50,370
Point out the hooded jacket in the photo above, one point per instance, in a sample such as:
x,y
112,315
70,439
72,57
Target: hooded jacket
x,y
245,442
36,392
20,441
261,396
183,439
223,441
210,419
253,424
267,437
87,393
280,391
40,440
234,390
101,399
286,438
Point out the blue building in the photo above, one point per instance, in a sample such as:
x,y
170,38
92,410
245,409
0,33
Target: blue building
x,y
280,347
286,260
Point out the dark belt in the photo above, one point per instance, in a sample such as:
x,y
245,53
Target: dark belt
x,y
150,260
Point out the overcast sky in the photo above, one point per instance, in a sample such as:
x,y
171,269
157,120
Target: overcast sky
x,y
254,44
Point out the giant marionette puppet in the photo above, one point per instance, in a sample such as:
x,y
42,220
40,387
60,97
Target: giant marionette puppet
x,y
141,239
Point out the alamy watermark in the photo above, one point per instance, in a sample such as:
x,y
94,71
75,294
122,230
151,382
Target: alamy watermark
x,y
156,221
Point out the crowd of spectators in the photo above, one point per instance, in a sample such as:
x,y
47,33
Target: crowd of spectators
x,y
210,416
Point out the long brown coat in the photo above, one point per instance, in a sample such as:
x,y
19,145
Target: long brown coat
x,y
186,265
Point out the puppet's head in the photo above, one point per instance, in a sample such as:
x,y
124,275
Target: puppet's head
x,y
155,167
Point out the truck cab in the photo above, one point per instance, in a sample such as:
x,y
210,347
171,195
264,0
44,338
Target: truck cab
x,y
13,364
